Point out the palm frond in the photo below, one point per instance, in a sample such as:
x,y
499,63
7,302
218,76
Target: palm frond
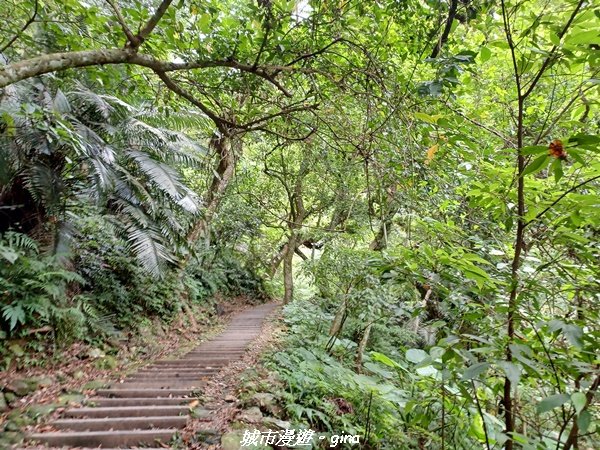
x,y
161,175
147,245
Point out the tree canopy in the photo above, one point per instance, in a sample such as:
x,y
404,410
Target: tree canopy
x,y
417,180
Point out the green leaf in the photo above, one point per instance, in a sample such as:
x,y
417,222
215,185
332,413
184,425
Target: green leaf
x,y
14,314
427,118
475,370
584,37
577,156
512,371
380,357
485,54
574,335
583,421
17,350
554,401
579,401
204,23
557,170
587,141
534,150
536,165
416,355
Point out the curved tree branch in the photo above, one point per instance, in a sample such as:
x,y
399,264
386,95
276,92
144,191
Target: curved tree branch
x,y
132,40
444,37
151,24
23,28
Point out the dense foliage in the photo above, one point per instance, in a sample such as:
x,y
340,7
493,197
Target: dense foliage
x,y
417,180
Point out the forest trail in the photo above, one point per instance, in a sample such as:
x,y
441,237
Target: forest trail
x,y
149,406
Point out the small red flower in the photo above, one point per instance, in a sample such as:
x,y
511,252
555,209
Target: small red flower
x,y
557,150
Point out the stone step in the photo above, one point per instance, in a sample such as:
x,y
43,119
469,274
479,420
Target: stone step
x,y
105,438
137,401
145,393
121,423
128,411
205,354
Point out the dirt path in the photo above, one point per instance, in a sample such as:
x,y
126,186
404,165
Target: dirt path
x,y
149,406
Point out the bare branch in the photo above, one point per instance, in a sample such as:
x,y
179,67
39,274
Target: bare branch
x,y
250,125
55,62
315,53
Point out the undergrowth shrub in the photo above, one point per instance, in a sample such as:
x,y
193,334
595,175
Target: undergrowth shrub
x,y
322,389
99,289
35,290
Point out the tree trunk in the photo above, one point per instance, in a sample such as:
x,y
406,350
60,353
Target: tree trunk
x,y
288,275
362,345
227,149
336,325
338,320
380,241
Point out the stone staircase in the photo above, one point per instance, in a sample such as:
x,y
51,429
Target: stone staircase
x,y
148,407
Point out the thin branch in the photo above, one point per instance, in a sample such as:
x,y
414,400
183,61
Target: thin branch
x,y
444,37
283,112
132,40
222,124
552,54
283,136
563,195
151,24
315,53
480,411
23,28
544,132
263,43
479,124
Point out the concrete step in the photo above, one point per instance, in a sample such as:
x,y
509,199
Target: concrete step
x,y
128,411
182,370
198,364
105,438
121,423
173,373
209,352
192,361
137,401
165,376
145,393
147,407
230,354
158,384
